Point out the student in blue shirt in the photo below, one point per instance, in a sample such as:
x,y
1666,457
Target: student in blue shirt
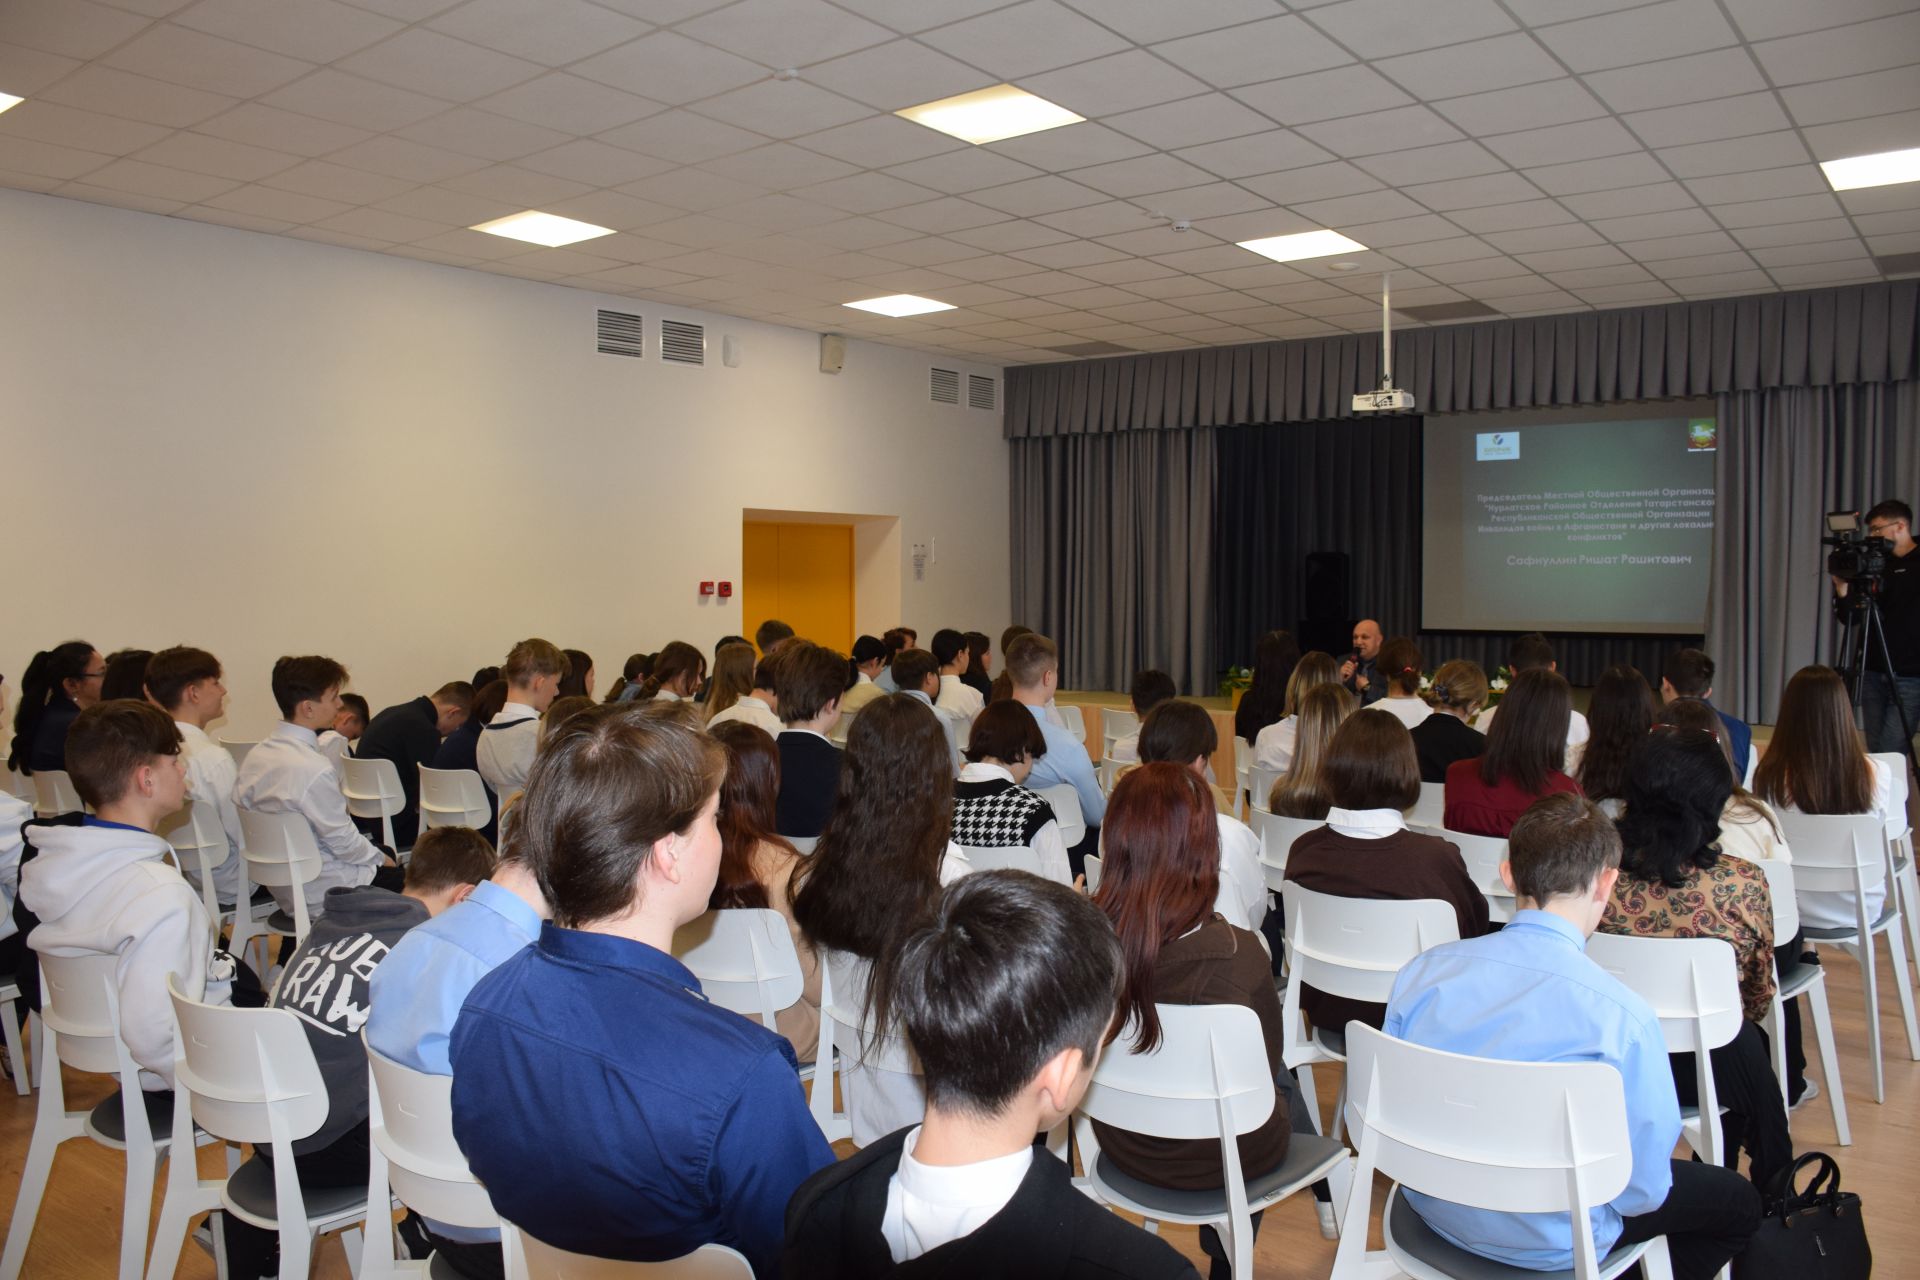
x,y
1033,668
607,1106
1529,994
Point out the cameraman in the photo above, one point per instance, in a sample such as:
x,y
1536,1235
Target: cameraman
x,y
1900,612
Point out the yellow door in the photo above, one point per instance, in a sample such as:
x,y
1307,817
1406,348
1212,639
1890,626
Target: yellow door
x,y
801,574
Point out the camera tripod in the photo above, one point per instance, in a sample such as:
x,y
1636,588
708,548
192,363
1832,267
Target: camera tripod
x,y
1864,638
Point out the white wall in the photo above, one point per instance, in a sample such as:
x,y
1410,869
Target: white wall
x,y
262,445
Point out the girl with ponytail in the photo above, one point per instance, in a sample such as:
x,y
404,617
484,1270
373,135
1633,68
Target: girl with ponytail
x,y
59,684
678,672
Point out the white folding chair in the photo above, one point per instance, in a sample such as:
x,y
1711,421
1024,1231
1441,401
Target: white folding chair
x,y
453,798
1693,987
1075,718
1260,785
745,960
238,748
1115,724
843,1029
1847,854
1242,767
249,1075
80,1026
414,1157
1809,980
1277,834
841,728
541,1261
54,795
372,789
26,1072
1208,1078
1108,774
199,845
1018,857
1092,865
1353,948
1512,1137
1066,812
1483,856
1900,843
280,853
1431,808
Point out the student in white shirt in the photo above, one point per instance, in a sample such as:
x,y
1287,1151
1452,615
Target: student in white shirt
x,y
1183,733
759,705
285,773
187,685
679,670
1531,652
504,755
955,696
1150,689
992,809
1399,664
1273,749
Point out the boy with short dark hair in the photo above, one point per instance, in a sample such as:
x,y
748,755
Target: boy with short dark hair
x,y
955,697
409,735
504,756
1689,674
1006,995
187,684
1150,689
808,680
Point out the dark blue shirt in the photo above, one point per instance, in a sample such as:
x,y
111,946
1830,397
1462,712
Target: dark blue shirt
x,y
612,1111
1740,738
49,748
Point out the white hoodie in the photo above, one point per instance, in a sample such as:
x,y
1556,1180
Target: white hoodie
x,y
102,888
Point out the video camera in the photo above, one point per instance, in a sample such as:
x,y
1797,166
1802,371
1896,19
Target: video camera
x,y
1855,557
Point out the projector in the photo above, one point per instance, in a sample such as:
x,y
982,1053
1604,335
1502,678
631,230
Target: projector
x,y
1382,400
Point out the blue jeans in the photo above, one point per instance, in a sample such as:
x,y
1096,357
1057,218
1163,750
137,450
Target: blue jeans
x,y
1880,714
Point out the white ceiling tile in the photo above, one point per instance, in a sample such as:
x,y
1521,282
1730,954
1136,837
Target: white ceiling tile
x,y
551,32
780,213
970,170
121,93
337,182
1656,197
1382,28
1904,242
1618,294
340,239
880,141
314,30
1587,140
478,133
568,103
70,28
1452,249
783,109
1761,213
902,15
1842,51
1020,41
988,266
180,56
1373,206
1253,53
1650,226
1047,193
1673,81
1792,255
668,67
1539,303
1473,193
1120,82
1007,237
1208,118
1761,184
515,185
429,62
1099,219
777,166
1146,21
1124,271
1697,265
1888,223
198,153
1141,176
855,233
284,206
1877,93
1481,280
1151,240
377,224
949,213
1878,199
1826,273
432,204
1766,19
1812,231
1534,240
871,192
1594,175
43,160
1402,232
693,189
347,99
159,181
1498,63
400,158
1575,259
1529,107
1722,283
407,10
1323,95
925,251
1864,137
1217,203
29,72
698,231
612,209
120,199
595,163
1433,164
1073,147
1267,152
785,33
1708,121
1209,258
1379,131
1071,254
64,126
1761,151
902,73
1640,35
1313,182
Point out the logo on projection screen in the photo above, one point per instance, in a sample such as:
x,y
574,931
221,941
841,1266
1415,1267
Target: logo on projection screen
x,y
1496,446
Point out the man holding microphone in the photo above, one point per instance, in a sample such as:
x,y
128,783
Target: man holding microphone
x,y
1358,672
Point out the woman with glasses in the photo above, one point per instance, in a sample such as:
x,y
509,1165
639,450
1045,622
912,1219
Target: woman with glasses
x,y
59,684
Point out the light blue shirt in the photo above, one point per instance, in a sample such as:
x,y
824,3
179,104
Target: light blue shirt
x,y
885,680
1066,764
1529,994
419,987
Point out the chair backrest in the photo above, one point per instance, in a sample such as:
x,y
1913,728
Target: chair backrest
x,y
1115,724
844,1001
199,841
1108,772
1209,1072
238,748
77,998
372,788
1092,865
410,1115
54,794
708,1262
453,798
1692,984
280,851
1075,718
1277,834
1895,764
1835,852
1260,784
1483,856
1066,811
241,1066
1006,858
745,960
1780,889
841,728
1430,809
1354,947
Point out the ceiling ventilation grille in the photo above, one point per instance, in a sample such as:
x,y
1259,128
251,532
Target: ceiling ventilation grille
x,y
979,391
683,343
945,386
619,334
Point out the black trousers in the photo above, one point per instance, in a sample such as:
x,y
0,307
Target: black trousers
x,y
1786,956
1756,1118
251,1250
1077,855
1708,1218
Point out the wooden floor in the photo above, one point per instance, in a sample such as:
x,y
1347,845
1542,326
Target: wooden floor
x,y
77,1237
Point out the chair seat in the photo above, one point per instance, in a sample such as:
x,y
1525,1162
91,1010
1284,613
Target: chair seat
x,y
1797,977
1407,1233
1309,1156
1846,932
250,1190
1334,1042
107,1122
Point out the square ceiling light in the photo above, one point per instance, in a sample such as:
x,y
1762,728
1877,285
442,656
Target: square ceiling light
x,y
900,304
988,115
1305,244
8,100
1882,170
549,229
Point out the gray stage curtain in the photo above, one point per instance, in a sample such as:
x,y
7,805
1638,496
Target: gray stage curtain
x,y
1113,546
1821,337
1788,455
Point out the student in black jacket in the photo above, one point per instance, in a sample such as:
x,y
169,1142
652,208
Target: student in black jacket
x,y
1459,690
1005,994
409,734
808,681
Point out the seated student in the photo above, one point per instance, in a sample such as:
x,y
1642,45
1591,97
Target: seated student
x,y
186,684
1276,657
1534,652
1400,665
1182,733
916,672
1529,993
126,675
759,705
955,697
679,672
1301,792
104,887
869,660
578,682
1674,883
285,773
808,681
59,684
460,750
1459,690
1621,712
1150,689
1273,748
979,665
1366,851
336,742
879,865
409,734
991,807
732,678
1033,665
1002,688
669,1122
1485,796
895,641
327,985
1006,994
504,754
631,675
757,867
1689,674
770,635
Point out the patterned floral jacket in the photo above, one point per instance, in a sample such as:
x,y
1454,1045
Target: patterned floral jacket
x,y
1728,900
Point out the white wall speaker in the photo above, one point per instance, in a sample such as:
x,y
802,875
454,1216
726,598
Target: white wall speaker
x,y
833,353
730,351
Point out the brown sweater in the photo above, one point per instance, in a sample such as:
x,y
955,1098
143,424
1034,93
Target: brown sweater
x,y
1403,866
1216,964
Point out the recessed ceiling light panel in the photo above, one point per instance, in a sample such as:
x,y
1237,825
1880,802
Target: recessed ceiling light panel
x,y
988,115
1306,244
8,100
1882,170
900,304
549,229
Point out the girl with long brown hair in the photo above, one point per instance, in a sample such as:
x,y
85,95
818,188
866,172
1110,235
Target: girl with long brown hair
x,y
1526,747
732,677
1300,792
678,672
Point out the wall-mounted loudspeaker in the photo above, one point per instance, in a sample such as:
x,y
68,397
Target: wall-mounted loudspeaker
x,y
730,351
833,353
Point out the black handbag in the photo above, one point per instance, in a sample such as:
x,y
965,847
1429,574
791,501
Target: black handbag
x,y
1816,1234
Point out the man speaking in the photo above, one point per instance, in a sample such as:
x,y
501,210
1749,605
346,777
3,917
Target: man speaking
x,y
1900,613
1358,672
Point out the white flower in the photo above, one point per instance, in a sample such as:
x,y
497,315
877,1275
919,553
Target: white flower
x,y
1499,685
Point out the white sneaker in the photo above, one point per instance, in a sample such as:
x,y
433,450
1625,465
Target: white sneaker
x,y
1807,1095
1329,1224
